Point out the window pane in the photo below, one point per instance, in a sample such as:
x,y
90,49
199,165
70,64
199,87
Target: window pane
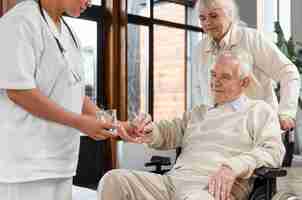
x,y
96,2
193,16
285,17
139,7
138,59
269,15
169,73
87,33
169,11
193,39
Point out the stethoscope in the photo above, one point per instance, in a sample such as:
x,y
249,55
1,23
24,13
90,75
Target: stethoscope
x,y
60,46
57,40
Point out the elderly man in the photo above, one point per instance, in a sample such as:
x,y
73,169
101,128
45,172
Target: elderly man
x,y
220,21
221,146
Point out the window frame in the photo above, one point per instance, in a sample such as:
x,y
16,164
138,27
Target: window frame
x,y
96,13
151,22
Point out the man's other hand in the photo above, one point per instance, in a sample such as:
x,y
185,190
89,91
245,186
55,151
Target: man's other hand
x,y
221,183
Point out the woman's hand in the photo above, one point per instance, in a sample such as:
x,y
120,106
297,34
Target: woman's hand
x,y
95,129
287,123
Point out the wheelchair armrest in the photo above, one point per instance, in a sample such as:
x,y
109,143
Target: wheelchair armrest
x,y
269,172
158,161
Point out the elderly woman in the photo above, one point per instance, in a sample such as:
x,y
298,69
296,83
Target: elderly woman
x,y
220,21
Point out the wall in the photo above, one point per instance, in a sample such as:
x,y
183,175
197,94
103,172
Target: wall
x,y
296,21
296,17
248,12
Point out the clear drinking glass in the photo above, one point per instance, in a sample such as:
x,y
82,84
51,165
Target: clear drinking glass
x,y
108,116
139,119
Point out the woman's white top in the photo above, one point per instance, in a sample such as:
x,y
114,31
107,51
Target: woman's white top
x,y
32,148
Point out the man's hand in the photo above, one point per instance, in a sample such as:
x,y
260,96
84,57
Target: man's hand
x,y
138,130
126,132
287,123
221,183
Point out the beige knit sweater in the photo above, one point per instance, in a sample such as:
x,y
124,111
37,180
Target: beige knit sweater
x,y
244,137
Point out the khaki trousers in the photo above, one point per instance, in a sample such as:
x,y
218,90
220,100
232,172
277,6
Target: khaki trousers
x,y
50,189
137,185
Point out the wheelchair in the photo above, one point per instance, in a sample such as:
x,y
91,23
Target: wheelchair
x,y
265,184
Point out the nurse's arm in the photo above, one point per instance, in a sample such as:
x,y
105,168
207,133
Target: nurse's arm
x,y
34,102
89,108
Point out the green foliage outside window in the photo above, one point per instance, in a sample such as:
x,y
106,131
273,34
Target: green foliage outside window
x,y
287,47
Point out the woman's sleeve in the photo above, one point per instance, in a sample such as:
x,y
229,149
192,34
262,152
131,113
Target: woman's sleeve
x,y
277,66
17,55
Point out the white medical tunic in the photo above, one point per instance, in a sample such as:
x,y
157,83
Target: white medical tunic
x,y
32,148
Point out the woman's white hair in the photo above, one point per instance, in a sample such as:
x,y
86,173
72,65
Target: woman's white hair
x,y
229,6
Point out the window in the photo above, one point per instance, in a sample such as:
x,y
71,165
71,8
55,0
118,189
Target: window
x,y
139,7
161,35
284,16
138,69
169,72
89,29
169,11
96,2
277,11
87,33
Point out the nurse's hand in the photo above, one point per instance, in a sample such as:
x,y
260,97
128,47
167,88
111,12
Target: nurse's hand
x,y
95,129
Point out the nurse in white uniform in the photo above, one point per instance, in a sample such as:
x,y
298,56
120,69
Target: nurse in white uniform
x,y
42,102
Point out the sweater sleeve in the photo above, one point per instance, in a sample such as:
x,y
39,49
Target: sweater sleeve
x,y
277,66
169,134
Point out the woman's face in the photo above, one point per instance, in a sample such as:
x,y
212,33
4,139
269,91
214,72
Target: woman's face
x,y
75,7
215,22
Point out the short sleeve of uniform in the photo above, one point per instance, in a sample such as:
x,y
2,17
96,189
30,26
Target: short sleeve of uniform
x,y
17,54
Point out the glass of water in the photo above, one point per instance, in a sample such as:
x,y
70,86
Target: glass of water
x,y
138,119
108,116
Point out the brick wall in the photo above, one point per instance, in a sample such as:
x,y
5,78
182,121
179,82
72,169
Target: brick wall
x,y
169,63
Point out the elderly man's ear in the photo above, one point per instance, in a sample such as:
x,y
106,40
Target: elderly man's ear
x,y
245,82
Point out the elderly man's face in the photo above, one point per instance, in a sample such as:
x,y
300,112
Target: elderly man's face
x,y
215,22
226,83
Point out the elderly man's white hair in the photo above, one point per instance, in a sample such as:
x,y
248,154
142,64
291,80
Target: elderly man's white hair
x,y
244,59
229,6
